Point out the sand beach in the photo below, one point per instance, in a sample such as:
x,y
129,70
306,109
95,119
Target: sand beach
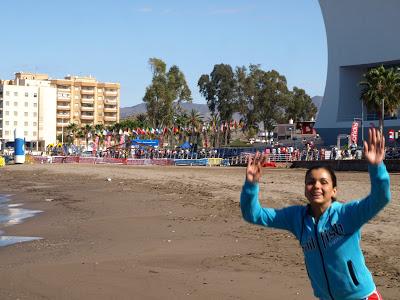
x,y
148,232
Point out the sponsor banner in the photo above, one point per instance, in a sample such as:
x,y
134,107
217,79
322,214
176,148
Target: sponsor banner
x,y
354,132
152,143
391,135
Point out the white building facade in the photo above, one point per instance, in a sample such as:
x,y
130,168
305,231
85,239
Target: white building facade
x,y
30,105
361,34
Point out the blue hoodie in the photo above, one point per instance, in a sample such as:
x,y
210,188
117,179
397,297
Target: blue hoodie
x,y
331,246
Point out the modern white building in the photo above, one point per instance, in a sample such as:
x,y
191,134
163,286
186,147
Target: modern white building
x,y
28,102
360,34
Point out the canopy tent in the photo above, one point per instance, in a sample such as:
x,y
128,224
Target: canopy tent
x,y
185,145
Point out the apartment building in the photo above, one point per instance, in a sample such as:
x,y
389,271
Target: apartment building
x,y
44,107
83,100
28,102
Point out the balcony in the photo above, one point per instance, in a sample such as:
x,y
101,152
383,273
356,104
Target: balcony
x,y
87,117
63,99
110,119
110,109
87,108
87,100
87,92
64,90
63,107
59,124
63,116
110,101
111,93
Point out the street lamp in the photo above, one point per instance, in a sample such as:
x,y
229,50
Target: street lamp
x,y
62,132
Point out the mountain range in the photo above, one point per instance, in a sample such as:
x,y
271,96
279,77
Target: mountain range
x,y
201,108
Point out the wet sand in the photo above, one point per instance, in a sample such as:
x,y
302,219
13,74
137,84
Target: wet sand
x,y
169,233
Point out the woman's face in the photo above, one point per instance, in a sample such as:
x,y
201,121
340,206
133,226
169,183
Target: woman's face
x,y
319,188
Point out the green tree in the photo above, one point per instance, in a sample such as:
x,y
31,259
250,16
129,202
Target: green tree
x,y
381,91
218,89
87,132
72,130
142,120
246,95
300,106
165,89
99,130
271,96
195,122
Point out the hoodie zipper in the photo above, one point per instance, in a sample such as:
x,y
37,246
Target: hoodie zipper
x,y
322,258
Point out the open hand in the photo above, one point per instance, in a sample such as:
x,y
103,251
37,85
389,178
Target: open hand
x,y
254,165
374,149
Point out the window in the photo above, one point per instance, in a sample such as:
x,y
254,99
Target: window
x,y
7,93
77,88
7,113
26,104
25,123
100,90
35,95
7,103
25,133
76,96
6,132
25,114
15,123
34,104
35,114
15,93
26,95
15,113
15,103
7,122
34,133
34,123
100,97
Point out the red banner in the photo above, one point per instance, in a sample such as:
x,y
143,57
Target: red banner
x,y
354,132
391,135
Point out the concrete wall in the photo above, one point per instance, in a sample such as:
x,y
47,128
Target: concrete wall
x,y
360,34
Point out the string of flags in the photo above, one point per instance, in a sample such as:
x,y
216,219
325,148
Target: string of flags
x,y
210,127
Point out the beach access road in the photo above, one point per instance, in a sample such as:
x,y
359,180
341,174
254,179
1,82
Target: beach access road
x,y
125,232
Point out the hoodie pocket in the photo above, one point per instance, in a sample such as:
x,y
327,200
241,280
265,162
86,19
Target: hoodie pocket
x,y
352,272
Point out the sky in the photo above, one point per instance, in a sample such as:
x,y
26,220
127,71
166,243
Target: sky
x,y
113,40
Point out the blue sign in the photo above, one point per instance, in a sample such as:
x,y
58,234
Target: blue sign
x,y
152,143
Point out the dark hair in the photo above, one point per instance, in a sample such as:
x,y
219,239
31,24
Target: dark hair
x,y
328,169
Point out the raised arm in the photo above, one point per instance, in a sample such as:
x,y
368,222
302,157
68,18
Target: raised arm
x,y
360,212
251,209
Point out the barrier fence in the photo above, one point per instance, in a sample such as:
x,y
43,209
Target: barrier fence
x,y
232,161
102,160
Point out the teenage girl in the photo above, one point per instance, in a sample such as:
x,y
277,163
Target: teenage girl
x,y
327,230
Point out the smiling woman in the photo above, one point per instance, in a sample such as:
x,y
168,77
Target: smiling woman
x,y
328,231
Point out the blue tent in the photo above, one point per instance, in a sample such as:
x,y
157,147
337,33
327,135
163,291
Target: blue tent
x,y
185,145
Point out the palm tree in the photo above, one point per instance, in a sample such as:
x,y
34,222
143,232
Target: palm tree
x,y
142,120
99,129
87,132
181,121
72,130
215,124
195,121
381,90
